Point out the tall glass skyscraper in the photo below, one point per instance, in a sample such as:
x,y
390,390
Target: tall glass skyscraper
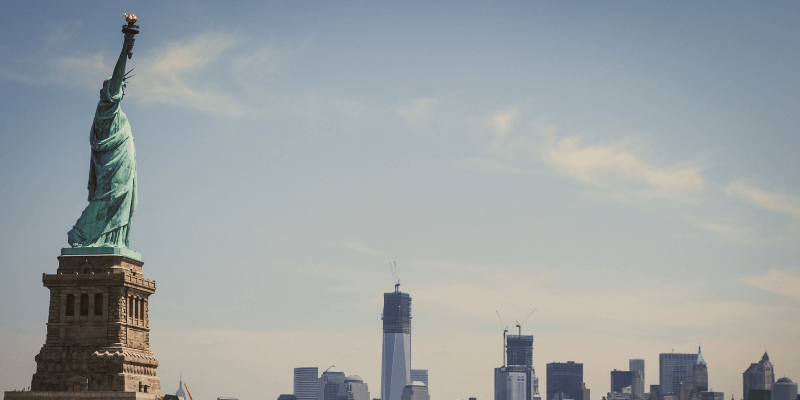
x,y
396,365
420,375
519,349
565,378
759,376
784,389
330,384
637,364
517,380
700,373
674,368
621,379
306,383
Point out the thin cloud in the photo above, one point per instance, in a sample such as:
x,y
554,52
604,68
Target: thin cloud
x,y
419,109
783,282
608,311
502,122
614,166
47,64
779,202
723,230
174,75
488,165
86,71
361,247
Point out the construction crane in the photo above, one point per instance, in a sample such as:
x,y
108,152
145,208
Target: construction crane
x,y
187,391
504,327
519,324
395,275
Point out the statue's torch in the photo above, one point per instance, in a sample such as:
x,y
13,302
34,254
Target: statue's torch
x,y
130,29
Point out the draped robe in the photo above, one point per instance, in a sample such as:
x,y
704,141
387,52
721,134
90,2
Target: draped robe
x,y
106,220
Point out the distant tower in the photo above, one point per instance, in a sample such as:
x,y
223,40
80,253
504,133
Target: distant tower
x,y
674,368
637,384
330,383
354,388
784,389
510,383
620,380
396,365
517,380
700,373
564,378
180,392
637,364
420,375
306,383
415,391
759,376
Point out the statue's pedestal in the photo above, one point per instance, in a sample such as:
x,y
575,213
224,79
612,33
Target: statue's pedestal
x,y
79,395
106,251
98,332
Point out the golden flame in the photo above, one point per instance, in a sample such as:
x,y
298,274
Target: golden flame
x,y
131,18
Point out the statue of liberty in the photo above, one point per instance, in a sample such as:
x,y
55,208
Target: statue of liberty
x,y
106,221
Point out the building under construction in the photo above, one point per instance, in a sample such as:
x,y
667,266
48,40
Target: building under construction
x,y
519,349
396,364
517,380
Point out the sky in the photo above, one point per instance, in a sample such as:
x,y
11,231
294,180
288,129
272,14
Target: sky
x,y
628,169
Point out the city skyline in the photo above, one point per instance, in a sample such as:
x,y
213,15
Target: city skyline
x,y
628,169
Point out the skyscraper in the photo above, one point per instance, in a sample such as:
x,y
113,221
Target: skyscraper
x,y
637,385
700,373
759,376
566,378
712,396
330,383
674,368
306,383
784,389
354,388
620,379
636,364
686,391
518,378
181,392
396,365
415,391
519,349
655,390
420,375
512,383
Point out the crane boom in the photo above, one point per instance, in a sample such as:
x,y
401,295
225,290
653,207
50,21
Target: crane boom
x,y
519,324
187,391
526,318
502,325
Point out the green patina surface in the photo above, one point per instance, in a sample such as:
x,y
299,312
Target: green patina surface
x,y
90,251
104,226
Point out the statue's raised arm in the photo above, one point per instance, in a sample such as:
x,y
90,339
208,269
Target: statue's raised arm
x,y
118,77
106,220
